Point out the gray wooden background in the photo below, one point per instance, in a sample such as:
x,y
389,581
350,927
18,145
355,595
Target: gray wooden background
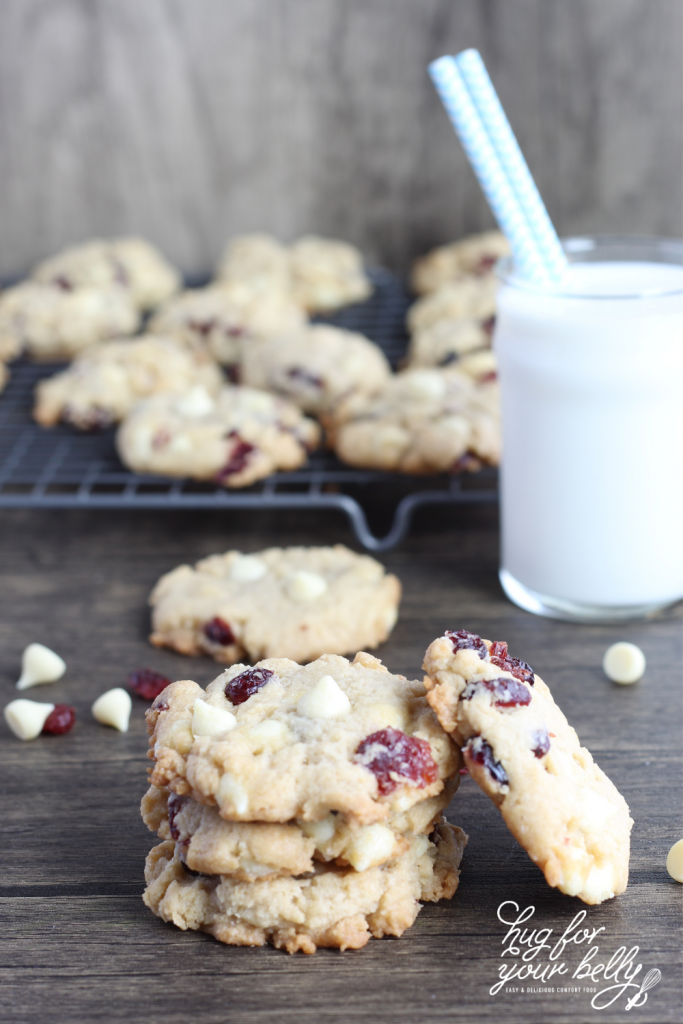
x,y
189,120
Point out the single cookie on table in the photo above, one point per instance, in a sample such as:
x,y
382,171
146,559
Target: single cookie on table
x,y
293,603
131,263
473,298
104,383
475,255
252,850
327,274
234,439
445,341
331,906
321,368
293,741
424,421
520,749
53,323
220,319
255,266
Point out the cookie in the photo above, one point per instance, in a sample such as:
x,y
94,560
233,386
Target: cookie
x,y
255,266
522,752
104,383
476,255
252,850
327,274
321,368
282,741
472,298
221,320
130,263
332,906
293,603
445,341
53,323
424,421
233,439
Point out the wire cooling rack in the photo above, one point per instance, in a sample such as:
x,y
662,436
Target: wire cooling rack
x,y
64,468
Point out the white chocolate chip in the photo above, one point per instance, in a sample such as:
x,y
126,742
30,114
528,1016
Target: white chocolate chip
x,y
113,708
254,868
210,721
422,844
624,663
370,845
268,735
426,384
599,885
306,586
384,715
324,700
595,810
321,831
674,861
247,569
40,665
575,867
196,403
26,718
233,794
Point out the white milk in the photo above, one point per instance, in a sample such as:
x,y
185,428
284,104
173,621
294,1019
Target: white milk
x,y
592,471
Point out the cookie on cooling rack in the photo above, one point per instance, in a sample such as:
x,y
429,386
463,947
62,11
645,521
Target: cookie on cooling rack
x,y
221,319
329,906
445,341
520,749
476,254
424,421
282,602
104,383
233,439
130,263
255,266
251,850
321,368
53,323
327,274
473,298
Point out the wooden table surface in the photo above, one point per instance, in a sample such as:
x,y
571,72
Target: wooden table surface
x,y
79,945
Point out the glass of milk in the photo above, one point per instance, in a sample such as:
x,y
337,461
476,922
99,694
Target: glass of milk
x,y
591,376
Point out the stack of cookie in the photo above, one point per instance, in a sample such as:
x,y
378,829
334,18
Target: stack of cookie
x,y
300,805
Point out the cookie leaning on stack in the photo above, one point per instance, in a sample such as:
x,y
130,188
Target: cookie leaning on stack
x,y
309,798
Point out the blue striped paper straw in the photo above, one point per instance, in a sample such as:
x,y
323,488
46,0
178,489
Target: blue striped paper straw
x,y
481,89
486,165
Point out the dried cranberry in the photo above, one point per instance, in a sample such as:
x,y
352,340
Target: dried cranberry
x,y
508,693
488,325
485,264
161,438
541,742
239,457
246,683
64,283
60,720
234,332
219,632
232,372
488,378
147,683
390,753
175,803
202,327
479,751
308,379
161,706
464,641
467,463
499,656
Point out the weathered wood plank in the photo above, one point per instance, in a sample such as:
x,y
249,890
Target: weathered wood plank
x,y
189,122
